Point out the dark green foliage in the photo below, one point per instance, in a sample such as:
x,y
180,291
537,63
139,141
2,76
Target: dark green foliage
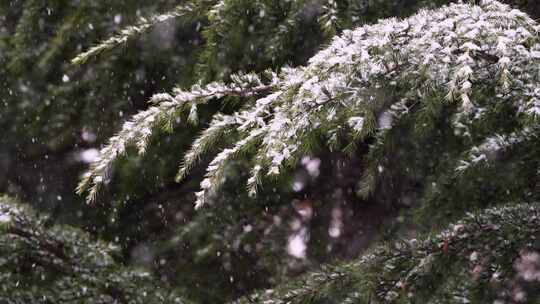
x,y
51,112
234,245
481,259
40,263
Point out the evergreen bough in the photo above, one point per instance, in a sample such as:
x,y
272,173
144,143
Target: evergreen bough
x,y
479,259
470,71
469,60
61,264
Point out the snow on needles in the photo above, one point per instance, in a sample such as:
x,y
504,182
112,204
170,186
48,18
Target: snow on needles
x,y
454,51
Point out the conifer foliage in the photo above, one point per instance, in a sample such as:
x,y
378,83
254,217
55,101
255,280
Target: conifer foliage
x,y
60,264
469,262
436,114
459,66
471,59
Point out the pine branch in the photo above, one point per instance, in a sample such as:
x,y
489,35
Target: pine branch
x,y
209,139
459,260
359,75
329,19
188,11
286,30
137,131
216,169
68,265
493,146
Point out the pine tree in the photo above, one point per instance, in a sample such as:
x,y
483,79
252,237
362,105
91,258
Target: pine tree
x,y
428,78
435,115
